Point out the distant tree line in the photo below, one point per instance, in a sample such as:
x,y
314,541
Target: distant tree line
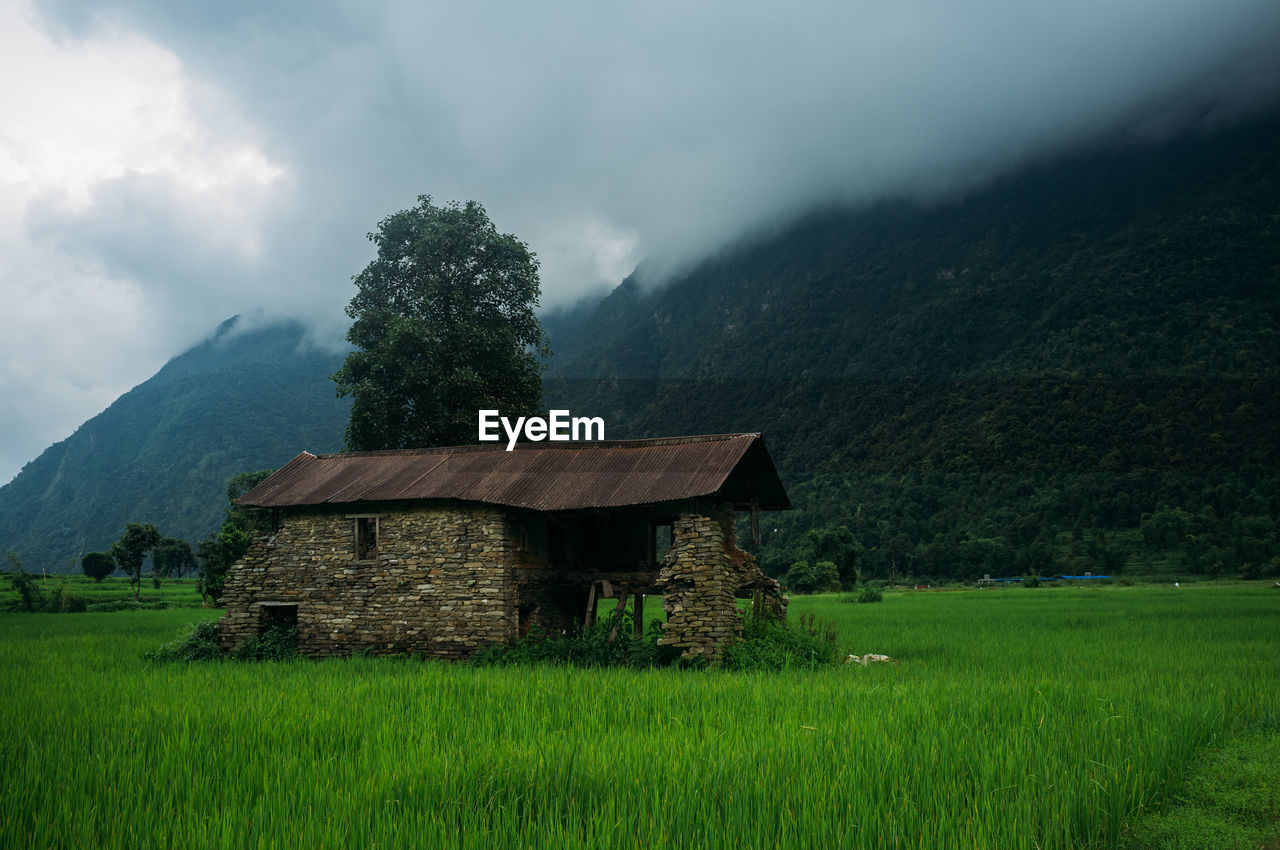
x,y
169,557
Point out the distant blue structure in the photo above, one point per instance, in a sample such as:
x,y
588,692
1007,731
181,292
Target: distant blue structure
x,y
987,579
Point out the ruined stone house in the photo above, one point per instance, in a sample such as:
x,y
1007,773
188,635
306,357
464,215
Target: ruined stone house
x,y
442,551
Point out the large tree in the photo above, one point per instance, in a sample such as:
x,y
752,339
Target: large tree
x,y
131,550
443,326
172,557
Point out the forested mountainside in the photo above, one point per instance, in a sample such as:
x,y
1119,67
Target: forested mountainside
x,y
1076,368
164,451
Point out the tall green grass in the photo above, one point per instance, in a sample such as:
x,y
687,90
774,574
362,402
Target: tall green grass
x,y
1015,720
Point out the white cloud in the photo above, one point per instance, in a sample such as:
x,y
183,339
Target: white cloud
x,y
86,117
104,105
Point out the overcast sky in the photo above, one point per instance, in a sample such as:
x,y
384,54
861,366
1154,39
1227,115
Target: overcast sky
x,y
164,167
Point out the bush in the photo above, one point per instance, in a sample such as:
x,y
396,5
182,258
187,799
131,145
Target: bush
x,y
277,643
61,602
771,644
129,605
817,577
31,598
198,643
865,594
767,644
585,648
98,565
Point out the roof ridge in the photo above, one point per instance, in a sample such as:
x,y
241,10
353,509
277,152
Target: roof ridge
x,y
542,445
537,476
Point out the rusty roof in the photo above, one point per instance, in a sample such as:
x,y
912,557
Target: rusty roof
x,y
539,476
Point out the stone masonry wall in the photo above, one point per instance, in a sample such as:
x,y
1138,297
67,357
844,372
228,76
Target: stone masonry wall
x,y
701,574
699,589
440,584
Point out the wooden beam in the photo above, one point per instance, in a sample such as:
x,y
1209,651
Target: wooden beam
x,y
641,583
560,577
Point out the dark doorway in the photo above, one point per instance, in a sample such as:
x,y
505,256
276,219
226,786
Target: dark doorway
x,y
525,619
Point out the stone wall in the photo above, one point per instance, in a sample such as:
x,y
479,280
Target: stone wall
x,y
439,585
701,575
448,578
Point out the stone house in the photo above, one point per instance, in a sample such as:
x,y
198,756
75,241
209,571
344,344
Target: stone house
x,y
441,551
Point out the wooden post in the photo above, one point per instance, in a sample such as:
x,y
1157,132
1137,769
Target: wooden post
x,y
617,616
589,617
637,612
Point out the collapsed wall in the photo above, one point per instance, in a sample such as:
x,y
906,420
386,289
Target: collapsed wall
x,y
702,576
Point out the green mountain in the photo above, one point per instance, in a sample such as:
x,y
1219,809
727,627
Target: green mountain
x,y
1047,375
163,452
1077,368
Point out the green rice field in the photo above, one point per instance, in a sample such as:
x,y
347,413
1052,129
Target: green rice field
x,y
1017,718
175,592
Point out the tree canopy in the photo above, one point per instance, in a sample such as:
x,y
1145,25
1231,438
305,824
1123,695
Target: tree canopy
x,y
218,552
443,326
172,557
131,550
98,565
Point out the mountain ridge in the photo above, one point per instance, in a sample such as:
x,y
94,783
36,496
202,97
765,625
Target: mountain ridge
x,y
1015,380
1066,352
163,451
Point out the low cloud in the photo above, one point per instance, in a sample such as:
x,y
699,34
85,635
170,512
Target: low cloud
x,y
262,144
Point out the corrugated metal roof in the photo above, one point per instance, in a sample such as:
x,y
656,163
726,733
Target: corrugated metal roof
x,y
540,476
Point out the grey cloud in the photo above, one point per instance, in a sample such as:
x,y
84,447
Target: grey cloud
x,y
687,125
604,134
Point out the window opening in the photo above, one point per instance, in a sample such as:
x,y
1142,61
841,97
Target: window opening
x,y
277,615
366,538
661,542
